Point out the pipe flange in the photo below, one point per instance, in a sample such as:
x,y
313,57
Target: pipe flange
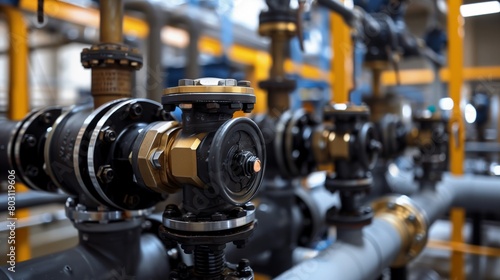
x,y
28,149
78,214
212,95
297,143
410,221
111,55
120,190
370,147
342,110
181,224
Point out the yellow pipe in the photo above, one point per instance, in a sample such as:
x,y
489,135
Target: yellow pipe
x,y
456,128
426,76
18,102
342,63
464,248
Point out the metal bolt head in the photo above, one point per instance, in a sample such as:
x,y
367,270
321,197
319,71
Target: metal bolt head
x,y
419,237
135,110
186,82
109,135
171,210
163,114
155,159
238,212
217,217
47,118
106,174
32,171
244,83
227,82
186,106
30,140
411,218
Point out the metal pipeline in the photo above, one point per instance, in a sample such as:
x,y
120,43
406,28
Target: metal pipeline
x,y
194,28
32,198
111,26
356,255
112,251
365,257
156,19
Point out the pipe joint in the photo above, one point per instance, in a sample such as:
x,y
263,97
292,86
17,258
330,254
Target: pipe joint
x,y
410,221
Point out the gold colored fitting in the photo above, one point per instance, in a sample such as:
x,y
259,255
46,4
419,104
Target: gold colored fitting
x,y
270,28
377,65
183,160
208,89
409,221
419,138
328,146
166,159
153,159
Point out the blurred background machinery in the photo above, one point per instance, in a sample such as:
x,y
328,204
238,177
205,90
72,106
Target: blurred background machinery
x,y
341,139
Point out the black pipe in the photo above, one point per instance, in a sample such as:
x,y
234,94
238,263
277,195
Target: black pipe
x,y
32,198
7,128
105,251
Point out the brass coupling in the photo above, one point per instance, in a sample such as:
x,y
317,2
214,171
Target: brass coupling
x,y
281,28
329,145
410,222
166,160
346,134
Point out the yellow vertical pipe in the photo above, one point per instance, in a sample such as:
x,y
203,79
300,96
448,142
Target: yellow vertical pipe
x,y
457,128
261,66
342,63
18,102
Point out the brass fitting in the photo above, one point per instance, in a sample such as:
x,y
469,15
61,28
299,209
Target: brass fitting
x,y
329,146
183,160
153,157
410,222
269,29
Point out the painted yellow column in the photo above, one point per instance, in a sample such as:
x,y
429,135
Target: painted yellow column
x,y
18,102
457,128
342,60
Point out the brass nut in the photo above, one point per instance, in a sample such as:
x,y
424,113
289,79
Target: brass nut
x,y
183,160
410,222
152,160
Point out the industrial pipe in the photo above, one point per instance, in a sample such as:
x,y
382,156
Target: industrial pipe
x,y
156,19
32,198
111,26
356,255
385,238
105,251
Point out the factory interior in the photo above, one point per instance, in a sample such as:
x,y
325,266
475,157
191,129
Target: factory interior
x,y
249,139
